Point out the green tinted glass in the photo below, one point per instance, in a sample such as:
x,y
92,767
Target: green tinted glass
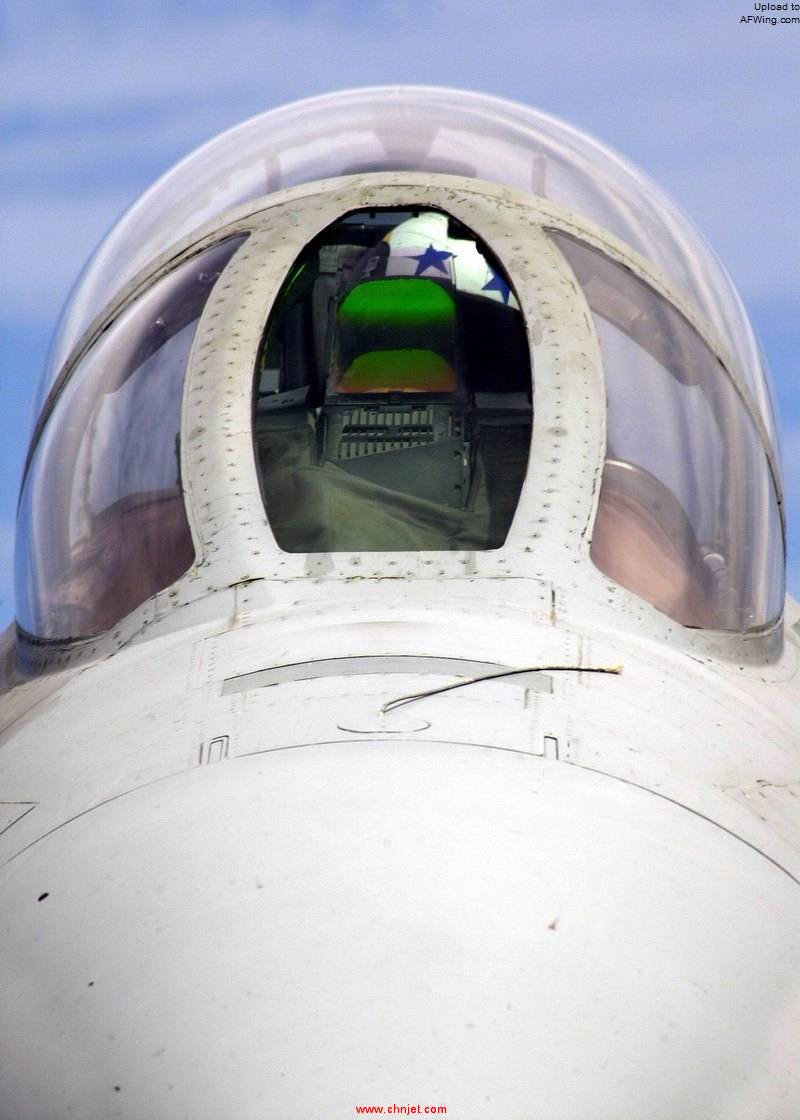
x,y
399,371
395,335
402,302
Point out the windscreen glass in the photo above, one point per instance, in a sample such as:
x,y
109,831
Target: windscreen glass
x,y
102,524
393,391
425,129
688,516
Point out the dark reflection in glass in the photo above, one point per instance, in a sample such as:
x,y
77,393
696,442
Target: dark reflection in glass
x,y
688,516
102,524
393,391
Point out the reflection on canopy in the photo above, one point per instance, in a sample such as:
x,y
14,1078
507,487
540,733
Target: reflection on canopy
x,y
688,516
102,525
413,129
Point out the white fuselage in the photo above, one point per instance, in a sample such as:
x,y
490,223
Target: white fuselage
x,y
558,895
233,887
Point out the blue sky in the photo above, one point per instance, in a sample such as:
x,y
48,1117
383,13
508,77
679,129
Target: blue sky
x,y
99,99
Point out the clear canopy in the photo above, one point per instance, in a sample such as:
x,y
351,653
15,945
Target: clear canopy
x,y
102,525
412,129
688,515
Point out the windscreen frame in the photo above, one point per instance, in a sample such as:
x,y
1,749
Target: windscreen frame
x,y
239,562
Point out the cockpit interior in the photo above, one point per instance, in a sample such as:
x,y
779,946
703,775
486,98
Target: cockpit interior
x,y
393,396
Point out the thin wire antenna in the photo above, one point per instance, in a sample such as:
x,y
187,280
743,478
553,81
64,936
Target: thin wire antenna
x,y
390,705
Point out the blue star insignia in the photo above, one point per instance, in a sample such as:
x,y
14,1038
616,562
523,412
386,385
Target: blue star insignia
x,y
432,258
497,284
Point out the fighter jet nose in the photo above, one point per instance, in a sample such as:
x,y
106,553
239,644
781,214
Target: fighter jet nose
x,y
399,924
369,400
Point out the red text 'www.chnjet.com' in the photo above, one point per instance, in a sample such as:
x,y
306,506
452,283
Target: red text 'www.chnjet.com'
x,y
401,1109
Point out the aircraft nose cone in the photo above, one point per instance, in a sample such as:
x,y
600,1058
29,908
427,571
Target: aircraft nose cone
x,y
307,932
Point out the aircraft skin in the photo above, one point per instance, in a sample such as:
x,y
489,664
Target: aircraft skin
x,y
239,881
